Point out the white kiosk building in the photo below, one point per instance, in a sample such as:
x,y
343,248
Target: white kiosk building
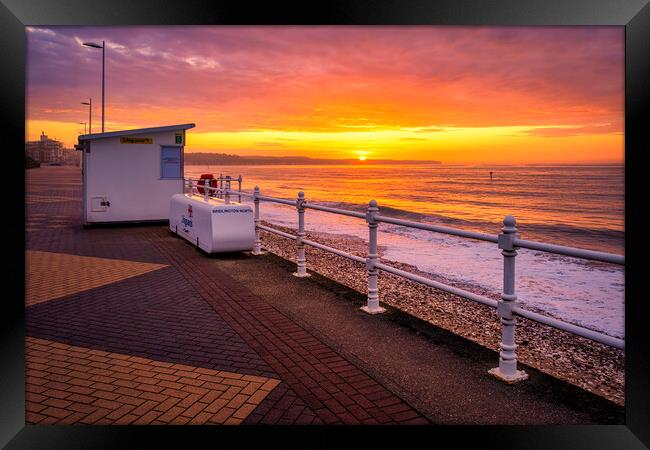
x,y
130,175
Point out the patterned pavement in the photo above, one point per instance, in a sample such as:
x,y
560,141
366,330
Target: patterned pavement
x,y
74,274
130,325
69,384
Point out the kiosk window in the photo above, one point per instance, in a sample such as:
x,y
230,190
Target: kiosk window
x,y
170,158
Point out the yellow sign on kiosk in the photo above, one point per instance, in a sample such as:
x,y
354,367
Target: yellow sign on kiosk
x,y
135,140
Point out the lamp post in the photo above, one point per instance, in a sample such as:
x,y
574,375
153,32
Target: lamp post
x,y
90,113
103,47
84,124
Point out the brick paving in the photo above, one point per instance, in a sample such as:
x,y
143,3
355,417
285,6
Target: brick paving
x,y
160,337
74,274
157,316
68,384
335,389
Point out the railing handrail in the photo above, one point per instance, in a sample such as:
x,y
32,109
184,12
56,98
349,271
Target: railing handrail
x,y
576,252
438,285
580,253
438,229
571,328
342,212
547,320
373,264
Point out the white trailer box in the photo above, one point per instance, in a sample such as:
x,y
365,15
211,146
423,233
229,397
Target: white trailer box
x,y
213,225
130,175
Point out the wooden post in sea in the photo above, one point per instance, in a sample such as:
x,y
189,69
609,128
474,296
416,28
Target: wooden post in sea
x,y
507,370
372,306
301,261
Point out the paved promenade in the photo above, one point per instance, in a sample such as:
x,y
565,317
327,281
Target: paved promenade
x,y
132,325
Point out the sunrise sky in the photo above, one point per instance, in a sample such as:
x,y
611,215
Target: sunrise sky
x,y
448,93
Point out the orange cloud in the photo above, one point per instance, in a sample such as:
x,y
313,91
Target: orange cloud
x,y
426,88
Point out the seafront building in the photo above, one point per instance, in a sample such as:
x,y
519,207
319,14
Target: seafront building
x,y
45,149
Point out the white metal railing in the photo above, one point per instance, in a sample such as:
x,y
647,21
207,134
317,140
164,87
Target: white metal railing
x,y
507,241
222,185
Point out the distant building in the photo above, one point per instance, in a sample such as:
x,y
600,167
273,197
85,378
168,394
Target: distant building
x,y
45,149
71,157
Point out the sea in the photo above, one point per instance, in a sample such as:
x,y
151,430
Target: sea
x,y
578,206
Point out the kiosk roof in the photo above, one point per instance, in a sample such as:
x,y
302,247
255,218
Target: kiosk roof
x,y
110,134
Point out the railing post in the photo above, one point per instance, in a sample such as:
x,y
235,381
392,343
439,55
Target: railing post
x,y
257,244
507,370
206,183
189,183
227,197
221,185
372,306
301,261
239,188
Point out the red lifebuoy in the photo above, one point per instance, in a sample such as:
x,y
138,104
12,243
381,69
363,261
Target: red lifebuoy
x,y
211,183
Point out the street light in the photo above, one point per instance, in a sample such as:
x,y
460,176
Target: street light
x,y
84,124
103,47
90,113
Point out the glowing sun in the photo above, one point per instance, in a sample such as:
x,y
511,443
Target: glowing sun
x,y
362,157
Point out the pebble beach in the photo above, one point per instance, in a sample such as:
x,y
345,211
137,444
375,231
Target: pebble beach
x,y
595,367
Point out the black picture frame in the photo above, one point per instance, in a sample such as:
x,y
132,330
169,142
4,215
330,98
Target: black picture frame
x,y
634,15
